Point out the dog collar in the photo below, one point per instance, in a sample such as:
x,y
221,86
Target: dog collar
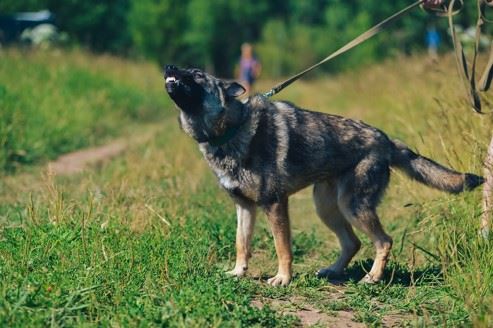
x,y
229,134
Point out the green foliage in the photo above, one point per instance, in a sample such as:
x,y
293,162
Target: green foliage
x,y
216,31
317,29
155,27
11,6
99,25
289,34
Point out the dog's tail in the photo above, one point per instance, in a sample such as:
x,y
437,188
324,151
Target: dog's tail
x,y
431,173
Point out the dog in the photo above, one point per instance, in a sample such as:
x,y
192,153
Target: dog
x,y
263,151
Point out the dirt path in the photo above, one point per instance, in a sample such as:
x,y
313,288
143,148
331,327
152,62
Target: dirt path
x,y
76,162
32,178
309,315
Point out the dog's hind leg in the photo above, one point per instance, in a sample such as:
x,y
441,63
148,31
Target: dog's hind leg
x,y
359,193
325,197
245,213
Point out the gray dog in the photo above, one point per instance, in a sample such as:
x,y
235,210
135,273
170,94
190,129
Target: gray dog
x,y
263,151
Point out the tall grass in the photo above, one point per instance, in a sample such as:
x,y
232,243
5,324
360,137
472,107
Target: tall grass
x,y
54,102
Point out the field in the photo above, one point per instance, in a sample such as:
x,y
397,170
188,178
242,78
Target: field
x,y
144,239
83,99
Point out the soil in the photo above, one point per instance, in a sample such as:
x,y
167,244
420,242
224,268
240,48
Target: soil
x,y
309,315
77,161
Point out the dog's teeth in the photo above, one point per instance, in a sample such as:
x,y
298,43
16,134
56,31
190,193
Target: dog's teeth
x,y
170,79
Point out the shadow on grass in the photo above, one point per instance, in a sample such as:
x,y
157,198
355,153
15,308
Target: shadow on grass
x,y
395,274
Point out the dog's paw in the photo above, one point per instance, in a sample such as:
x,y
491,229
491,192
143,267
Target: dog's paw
x,y
279,280
368,279
237,272
328,273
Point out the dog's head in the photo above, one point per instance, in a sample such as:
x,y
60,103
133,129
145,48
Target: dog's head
x,y
208,105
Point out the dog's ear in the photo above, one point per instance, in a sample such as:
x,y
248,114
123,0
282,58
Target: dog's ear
x,y
234,89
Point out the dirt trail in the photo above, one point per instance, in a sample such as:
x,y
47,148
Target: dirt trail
x,y
309,315
77,161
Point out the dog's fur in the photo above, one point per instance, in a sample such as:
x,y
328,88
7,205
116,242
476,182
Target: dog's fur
x,y
263,151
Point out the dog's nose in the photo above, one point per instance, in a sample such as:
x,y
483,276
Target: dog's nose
x,y
170,68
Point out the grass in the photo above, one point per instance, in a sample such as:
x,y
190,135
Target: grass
x,y
53,102
75,273
144,239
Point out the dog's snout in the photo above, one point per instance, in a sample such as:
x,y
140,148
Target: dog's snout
x,y
171,76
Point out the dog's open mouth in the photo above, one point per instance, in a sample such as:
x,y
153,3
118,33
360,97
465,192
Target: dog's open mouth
x,y
171,79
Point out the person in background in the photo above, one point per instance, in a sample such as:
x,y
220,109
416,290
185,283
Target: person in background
x,y
249,67
432,42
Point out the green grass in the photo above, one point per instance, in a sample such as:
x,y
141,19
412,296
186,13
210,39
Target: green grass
x,y
144,240
77,272
52,103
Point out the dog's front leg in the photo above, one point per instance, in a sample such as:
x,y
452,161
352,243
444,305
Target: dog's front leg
x,y
277,214
245,213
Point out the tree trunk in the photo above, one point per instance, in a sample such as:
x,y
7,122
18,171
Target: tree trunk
x,y
487,192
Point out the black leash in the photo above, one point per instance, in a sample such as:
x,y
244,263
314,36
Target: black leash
x,y
358,40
